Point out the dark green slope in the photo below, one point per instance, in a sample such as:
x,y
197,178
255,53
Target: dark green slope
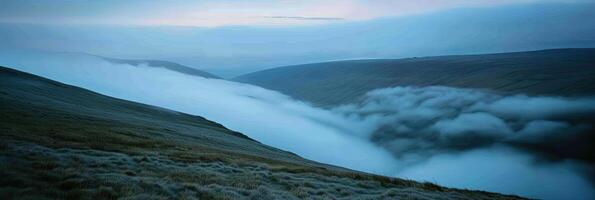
x,y
567,72
62,142
165,64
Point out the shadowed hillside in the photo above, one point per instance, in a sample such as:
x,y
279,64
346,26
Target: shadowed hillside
x,y
165,64
63,142
568,72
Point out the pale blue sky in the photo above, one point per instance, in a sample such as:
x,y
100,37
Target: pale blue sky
x,y
227,12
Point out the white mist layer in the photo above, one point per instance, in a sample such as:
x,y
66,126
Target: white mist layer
x,y
503,170
452,111
267,116
342,136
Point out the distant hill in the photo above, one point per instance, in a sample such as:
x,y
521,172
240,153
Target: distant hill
x,y
568,72
63,142
165,64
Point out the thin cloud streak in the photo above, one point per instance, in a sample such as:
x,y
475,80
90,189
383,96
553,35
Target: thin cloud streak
x,y
304,18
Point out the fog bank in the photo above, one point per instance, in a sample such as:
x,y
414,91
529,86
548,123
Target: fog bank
x,y
267,116
422,121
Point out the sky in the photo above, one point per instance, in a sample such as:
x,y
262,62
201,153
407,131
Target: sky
x,y
212,13
231,38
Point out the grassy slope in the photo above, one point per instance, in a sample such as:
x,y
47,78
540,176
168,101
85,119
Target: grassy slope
x,y
60,141
547,72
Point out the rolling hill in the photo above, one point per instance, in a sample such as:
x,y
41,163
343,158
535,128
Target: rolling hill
x,y
165,64
568,72
63,142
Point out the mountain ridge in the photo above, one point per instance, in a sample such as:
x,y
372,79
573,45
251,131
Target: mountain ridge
x,y
530,72
162,63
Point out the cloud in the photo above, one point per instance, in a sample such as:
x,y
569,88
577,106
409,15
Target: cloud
x,y
480,139
501,169
522,107
533,146
542,128
304,18
267,116
472,123
453,119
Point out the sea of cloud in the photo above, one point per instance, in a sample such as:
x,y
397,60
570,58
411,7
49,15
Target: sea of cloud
x,y
532,146
426,120
538,146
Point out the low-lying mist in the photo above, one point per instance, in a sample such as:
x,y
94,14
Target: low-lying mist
x,y
531,146
267,116
470,138
418,122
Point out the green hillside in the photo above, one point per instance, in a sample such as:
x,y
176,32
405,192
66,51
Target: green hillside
x,y
569,72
